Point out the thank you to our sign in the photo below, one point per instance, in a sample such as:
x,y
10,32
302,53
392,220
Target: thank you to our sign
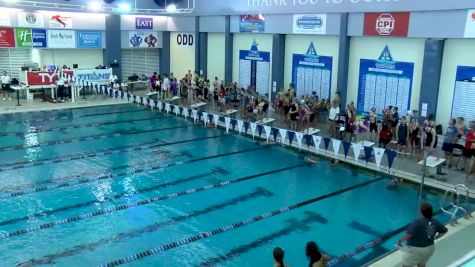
x,y
310,23
143,23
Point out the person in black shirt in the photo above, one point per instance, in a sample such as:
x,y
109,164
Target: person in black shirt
x,y
420,238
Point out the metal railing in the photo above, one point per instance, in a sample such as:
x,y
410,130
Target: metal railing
x,y
456,196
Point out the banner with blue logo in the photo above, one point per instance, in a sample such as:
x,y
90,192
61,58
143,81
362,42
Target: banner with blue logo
x,y
89,39
310,23
312,74
254,69
384,82
251,23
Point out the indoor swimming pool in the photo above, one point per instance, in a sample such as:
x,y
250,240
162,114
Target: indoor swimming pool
x,y
121,184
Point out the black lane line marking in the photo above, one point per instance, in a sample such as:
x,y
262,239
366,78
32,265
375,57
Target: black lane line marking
x,y
109,198
110,175
52,258
293,226
77,126
118,167
92,137
132,205
229,227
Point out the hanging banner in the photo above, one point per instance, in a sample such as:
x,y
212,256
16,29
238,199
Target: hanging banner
x,y
5,19
317,140
61,39
60,22
185,112
386,24
291,137
246,126
470,24
38,78
367,153
253,129
283,133
7,37
216,120
252,23
310,23
240,125
227,122
311,73
254,69
99,76
89,39
346,148
205,117
194,112
267,130
31,20
391,154
299,137
384,82
144,23
143,39
26,37
357,150
326,142
275,132
378,155
336,146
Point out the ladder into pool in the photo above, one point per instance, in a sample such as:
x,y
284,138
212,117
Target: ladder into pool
x,y
452,202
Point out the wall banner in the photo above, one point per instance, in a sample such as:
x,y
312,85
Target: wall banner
x,y
7,37
92,75
144,39
312,73
185,40
60,22
44,78
89,39
464,93
26,37
33,20
61,39
310,23
386,24
5,19
254,69
142,23
251,23
470,24
384,82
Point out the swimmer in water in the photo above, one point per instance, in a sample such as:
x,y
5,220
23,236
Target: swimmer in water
x,y
394,183
311,160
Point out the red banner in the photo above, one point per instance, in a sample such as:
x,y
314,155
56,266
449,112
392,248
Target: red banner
x,y
386,24
7,37
38,78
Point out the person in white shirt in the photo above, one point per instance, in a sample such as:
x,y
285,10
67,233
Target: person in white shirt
x,y
113,79
60,88
5,86
165,86
333,117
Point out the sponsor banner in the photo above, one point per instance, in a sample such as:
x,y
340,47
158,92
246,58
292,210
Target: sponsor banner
x,y
93,75
60,22
44,78
145,39
5,19
7,37
470,24
310,23
142,23
33,20
89,39
185,39
386,24
252,23
26,37
61,39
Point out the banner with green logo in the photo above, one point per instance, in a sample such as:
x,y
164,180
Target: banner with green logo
x,y
23,37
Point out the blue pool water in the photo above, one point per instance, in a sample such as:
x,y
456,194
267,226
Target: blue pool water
x,y
69,164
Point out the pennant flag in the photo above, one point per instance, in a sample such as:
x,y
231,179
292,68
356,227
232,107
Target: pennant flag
x,y
253,129
227,121
275,132
391,154
291,138
200,115
180,109
259,129
205,117
357,150
346,148
317,140
195,114
156,103
186,112
336,146
160,105
378,155
177,110
283,133
233,123
326,142
267,130
298,136
216,120
367,153
210,118
167,107
246,126
240,125
308,139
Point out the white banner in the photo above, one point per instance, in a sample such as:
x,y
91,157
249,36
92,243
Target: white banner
x,y
205,117
60,22
144,39
470,24
336,146
216,120
357,150
30,20
299,137
167,107
310,23
317,140
253,129
267,130
240,124
5,19
185,112
61,39
100,76
227,121
378,155
194,112
177,110
283,133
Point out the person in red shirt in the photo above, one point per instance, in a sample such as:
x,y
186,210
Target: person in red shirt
x,y
470,150
384,136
